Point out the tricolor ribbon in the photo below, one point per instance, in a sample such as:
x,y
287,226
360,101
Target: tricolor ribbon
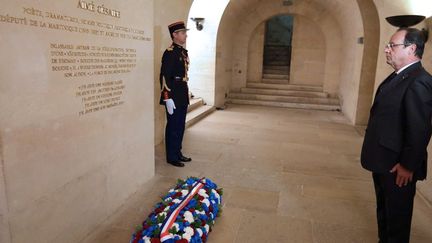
x,y
165,235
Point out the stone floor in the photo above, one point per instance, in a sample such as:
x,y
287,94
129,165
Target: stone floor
x,y
288,176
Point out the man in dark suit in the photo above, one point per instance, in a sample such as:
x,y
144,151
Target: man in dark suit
x,y
175,93
397,135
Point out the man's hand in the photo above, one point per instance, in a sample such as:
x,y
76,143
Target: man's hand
x,y
403,176
170,106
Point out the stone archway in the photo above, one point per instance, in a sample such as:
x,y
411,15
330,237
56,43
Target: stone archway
x,y
343,27
201,45
219,52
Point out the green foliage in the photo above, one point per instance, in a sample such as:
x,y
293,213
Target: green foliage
x,y
138,228
173,230
160,219
157,231
219,210
220,191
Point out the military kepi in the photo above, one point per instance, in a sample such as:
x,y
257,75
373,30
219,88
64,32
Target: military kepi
x,y
177,26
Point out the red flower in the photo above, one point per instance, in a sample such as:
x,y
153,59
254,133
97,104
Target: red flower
x,y
182,241
178,194
159,210
203,237
155,240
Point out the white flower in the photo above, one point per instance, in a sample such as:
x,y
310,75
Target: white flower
x,y
206,202
188,217
199,212
176,201
207,228
184,192
203,193
166,208
146,239
163,214
168,199
188,230
171,190
200,232
187,236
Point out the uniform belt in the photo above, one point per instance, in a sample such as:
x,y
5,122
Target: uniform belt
x,y
181,79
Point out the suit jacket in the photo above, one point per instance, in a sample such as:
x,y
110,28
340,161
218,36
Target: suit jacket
x,y
173,75
399,127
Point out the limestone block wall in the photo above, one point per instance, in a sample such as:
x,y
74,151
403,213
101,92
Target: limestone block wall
x,y
224,49
255,54
76,130
251,16
308,53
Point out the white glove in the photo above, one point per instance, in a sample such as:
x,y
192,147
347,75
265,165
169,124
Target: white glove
x,y
170,106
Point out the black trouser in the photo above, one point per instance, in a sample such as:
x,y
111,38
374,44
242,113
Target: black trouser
x,y
394,208
174,131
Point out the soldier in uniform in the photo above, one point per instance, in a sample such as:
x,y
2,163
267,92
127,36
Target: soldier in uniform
x,y
175,93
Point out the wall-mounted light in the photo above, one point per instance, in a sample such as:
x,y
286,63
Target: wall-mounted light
x,y
199,22
405,20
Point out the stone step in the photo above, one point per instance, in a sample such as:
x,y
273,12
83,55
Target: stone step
x,y
286,105
276,67
275,81
275,76
197,114
285,87
195,103
275,71
276,47
285,92
277,63
284,98
282,54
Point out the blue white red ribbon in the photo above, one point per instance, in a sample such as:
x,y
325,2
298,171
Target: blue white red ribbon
x,y
166,226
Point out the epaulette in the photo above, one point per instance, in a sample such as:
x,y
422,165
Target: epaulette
x,y
170,48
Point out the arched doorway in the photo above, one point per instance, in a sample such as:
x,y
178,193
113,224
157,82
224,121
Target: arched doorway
x,y
277,49
201,45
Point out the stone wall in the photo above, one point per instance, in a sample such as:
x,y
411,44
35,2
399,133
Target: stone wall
x,y
77,124
308,53
255,54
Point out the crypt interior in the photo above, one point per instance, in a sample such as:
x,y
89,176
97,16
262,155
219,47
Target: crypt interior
x,y
281,92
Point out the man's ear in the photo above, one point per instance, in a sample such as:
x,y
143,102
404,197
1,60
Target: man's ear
x,y
413,48
174,35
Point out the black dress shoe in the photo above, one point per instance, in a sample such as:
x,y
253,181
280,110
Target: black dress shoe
x,y
185,159
176,163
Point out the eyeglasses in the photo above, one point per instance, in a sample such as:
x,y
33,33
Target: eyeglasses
x,y
391,45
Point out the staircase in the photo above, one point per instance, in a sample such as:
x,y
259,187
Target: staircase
x,y
284,95
276,64
197,110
